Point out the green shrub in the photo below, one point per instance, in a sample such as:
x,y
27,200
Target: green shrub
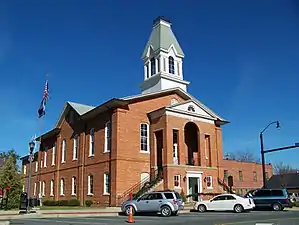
x,y
74,202
183,196
63,203
50,203
88,203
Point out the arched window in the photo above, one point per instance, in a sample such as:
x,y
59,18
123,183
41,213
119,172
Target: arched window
x,y
107,136
144,137
153,66
44,189
62,186
90,185
171,64
106,183
75,147
91,142
63,151
74,186
52,188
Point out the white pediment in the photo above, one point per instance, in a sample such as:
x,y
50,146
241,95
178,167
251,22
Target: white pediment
x,y
190,107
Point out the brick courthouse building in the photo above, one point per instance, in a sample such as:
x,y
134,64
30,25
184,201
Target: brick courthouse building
x,y
163,134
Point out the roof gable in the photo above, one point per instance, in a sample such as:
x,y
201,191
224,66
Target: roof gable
x,y
290,180
80,109
191,106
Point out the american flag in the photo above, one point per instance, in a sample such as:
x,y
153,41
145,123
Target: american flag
x,y
42,109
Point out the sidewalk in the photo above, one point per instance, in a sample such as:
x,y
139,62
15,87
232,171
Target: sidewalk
x,y
110,211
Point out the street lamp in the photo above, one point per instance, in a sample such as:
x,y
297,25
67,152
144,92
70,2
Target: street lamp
x,y
262,149
31,148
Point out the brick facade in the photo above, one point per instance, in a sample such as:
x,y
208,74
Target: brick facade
x,y
125,162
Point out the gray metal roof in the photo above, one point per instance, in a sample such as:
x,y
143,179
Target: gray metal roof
x,y
80,108
162,37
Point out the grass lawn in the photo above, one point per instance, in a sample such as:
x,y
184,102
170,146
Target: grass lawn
x,y
61,207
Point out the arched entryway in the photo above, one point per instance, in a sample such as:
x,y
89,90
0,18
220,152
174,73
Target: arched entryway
x,y
191,132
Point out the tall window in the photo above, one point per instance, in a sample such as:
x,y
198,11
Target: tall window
x,y
25,169
52,188
91,142
63,151
40,187
90,185
108,136
53,154
74,186
171,64
254,176
209,182
177,180
106,183
153,66
75,147
36,166
208,150
34,189
44,189
62,186
144,137
240,175
45,159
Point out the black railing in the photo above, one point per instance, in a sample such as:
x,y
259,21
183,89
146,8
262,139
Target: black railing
x,y
142,186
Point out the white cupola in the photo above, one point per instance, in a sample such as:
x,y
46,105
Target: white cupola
x,y
163,60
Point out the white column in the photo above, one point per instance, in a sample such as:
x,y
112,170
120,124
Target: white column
x,y
181,69
145,72
149,69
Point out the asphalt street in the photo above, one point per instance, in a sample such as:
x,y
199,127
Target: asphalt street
x,y
208,218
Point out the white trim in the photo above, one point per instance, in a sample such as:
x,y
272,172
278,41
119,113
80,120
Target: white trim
x,y
24,169
53,154
36,166
196,174
52,188
91,142
62,184
211,179
107,136
45,159
106,175
147,130
188,117
63,151
75,147
89,185
73,186
44,189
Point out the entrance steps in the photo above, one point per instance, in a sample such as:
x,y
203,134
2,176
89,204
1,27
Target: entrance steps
x,y
157,187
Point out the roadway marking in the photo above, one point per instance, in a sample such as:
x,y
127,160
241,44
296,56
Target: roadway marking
x,y
264,220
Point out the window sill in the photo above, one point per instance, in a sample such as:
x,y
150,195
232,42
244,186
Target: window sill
x,y
106,194
106,151
63,162
62,195
145,152
91,156
51,195
210,188
75,160
74,195
51,165
89,194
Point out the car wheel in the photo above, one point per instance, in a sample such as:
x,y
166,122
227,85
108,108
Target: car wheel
x,y
238,208
276,207
127,210
166,211
202,208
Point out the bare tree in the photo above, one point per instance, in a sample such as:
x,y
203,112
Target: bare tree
x,y
283,168
242,156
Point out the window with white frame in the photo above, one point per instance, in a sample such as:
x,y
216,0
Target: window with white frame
x,y
45,159
90,185
52,188
41,163
53,154
91,142
209,182
106,183
75,147
44,189
40,188
108,136
171,64
74,186
62,186
177,180
63,151
34,189
25,169
144,137
36,166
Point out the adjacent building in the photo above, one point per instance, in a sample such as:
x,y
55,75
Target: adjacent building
x,y
163,137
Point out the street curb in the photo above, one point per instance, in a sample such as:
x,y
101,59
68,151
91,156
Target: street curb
x,y
4,222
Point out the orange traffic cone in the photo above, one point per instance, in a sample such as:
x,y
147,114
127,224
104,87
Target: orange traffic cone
x,y
130,218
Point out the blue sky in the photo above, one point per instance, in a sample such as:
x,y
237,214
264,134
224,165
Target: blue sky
x,y
241,59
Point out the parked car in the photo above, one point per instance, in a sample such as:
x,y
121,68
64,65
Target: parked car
x,y
165,202
225,202
294,197
277,199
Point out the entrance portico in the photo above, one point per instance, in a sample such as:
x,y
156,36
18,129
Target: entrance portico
x,y
194,184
